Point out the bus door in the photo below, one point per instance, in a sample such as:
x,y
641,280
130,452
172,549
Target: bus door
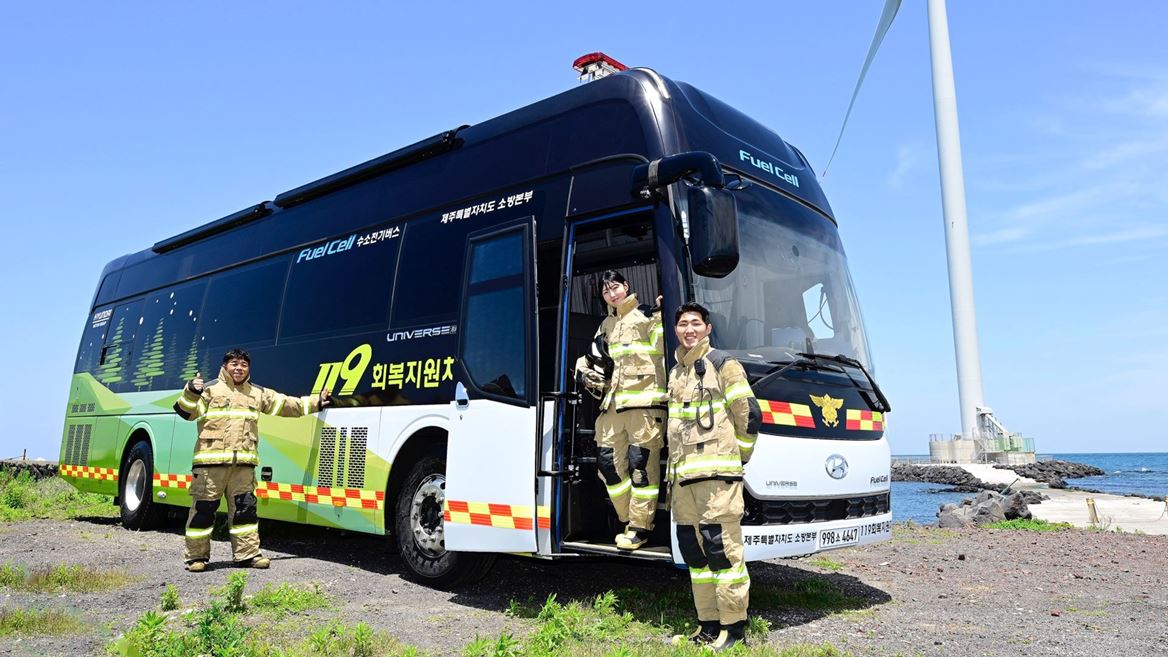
x,y
491,453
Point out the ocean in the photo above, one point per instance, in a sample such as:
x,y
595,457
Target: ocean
x,y
1126,473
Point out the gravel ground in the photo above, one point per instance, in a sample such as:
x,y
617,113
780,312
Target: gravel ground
x,y
927,592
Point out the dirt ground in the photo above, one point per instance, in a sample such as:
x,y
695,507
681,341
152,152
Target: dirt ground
x,y
926,592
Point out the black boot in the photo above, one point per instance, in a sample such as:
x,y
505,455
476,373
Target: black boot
x,y
731,635
705,634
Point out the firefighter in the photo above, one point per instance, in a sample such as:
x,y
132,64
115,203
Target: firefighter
x,y
713,423
627,374
227,410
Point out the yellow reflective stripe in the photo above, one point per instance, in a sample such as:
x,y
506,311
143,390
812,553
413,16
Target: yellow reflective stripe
x,y
245,529
658,394
202,407
728,464
616,490
618,350
648,493
186,403
239,456
277,406
734,575
745,442
198,533
246,415
691,411
701,576
738,391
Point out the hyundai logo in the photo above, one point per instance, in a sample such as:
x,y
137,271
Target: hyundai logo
x,y
836,466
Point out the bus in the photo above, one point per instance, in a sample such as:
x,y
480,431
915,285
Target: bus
x,y
443,292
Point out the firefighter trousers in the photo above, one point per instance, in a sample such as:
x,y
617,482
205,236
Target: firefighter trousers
x,y
629,462
709,534
211,483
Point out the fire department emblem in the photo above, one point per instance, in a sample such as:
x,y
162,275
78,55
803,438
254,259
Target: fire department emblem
x,y
829,407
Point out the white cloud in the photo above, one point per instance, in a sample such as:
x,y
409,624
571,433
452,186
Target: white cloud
x,y
1003,235
907,157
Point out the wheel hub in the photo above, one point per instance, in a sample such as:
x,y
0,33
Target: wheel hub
x,y
136,483
426,522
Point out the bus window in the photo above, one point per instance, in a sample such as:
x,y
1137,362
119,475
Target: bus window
x,y
818,312
92,340
429,273
242,307
166,353
342,292
495,326
114,361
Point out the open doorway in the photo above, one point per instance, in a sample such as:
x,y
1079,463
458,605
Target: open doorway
x,y
625,245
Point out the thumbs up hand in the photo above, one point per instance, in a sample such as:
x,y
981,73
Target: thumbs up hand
x,y
196,384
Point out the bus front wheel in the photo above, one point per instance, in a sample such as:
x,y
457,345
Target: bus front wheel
x,y
136,489
418,529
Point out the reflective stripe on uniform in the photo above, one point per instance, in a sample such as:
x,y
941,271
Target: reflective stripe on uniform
x,y
244,529
690,412
745,442
715,463
198,533
738,391
186,403
642,396
618,350
618,489
734,575
202,407
245,415
304,404
237,456
277,406
646,493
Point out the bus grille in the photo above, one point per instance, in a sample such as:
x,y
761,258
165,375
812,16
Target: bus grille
x,y
789,512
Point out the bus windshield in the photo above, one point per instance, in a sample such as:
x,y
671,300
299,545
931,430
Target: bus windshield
x,y
791,291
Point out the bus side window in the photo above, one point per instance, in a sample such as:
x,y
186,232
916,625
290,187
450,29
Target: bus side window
x,y
342,292
429,272
495,326
166,349
242,309
92,340
114,360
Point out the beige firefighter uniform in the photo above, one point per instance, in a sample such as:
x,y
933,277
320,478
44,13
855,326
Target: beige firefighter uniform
x,y
632,411
713,424
226,454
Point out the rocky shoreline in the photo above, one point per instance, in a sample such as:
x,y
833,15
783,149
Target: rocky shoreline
x,y
1052,473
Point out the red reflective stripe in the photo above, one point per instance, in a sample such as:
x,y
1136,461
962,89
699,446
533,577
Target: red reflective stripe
x,y
461,507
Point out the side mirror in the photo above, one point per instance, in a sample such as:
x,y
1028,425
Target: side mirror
x,y
713,231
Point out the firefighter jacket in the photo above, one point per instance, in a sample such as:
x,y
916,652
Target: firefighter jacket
x,y
634,335
714,417
228,417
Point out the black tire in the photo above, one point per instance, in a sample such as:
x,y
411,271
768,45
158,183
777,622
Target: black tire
x,y
424,553
136,489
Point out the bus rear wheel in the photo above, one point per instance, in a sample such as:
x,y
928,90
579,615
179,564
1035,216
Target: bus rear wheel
x,y
418,530
136,489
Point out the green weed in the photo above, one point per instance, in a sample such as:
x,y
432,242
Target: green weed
x,y
825,563
231,594
25,498
62,578
279,601
1034,525
170,600
31,621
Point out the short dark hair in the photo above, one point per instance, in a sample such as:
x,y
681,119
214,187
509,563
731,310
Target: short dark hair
x,y
610,276
236,353
691,307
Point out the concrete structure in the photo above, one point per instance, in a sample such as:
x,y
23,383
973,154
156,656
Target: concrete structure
x,y
1010,450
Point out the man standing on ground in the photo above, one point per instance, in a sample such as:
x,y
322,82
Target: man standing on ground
x,y
632,408
713,423
228,411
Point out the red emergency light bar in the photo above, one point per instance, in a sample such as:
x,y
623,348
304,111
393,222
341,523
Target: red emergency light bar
x,y
596,65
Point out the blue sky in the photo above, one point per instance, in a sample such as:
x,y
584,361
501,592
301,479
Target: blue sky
x,y
125,123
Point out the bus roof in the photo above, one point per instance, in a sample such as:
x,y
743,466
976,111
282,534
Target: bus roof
x,y
635,112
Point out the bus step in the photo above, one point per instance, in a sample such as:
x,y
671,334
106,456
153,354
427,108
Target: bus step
x,y
655,553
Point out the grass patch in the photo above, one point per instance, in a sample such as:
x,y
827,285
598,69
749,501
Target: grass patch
x,y
808,594
25,498
170,600
47,621
280,601
825,563
1033,525
54,579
